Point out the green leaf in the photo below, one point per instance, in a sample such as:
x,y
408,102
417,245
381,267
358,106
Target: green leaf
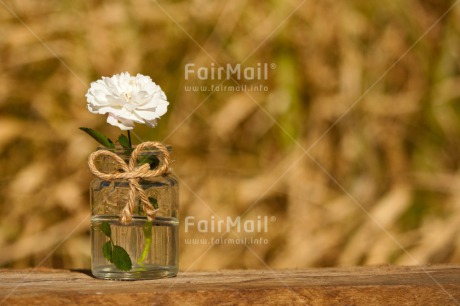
x,y
148,159
154,202
144,159
105,228
123,140
121,258
106,142
107,250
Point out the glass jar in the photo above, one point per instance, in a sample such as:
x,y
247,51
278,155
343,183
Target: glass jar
x,y
141,249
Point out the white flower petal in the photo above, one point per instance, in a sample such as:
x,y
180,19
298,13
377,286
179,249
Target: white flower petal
x,y
150,104
129,116
146,115
123,124
91,109
127,99
106,109
151,123
162,108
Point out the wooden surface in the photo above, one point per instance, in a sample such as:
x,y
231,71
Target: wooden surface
x,y
385,285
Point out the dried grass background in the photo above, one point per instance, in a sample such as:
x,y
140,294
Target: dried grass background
x,y
340,190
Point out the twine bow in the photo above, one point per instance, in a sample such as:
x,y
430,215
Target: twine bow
x,y
132,173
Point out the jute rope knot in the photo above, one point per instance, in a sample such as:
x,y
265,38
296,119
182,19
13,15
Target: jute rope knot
x,y
133,174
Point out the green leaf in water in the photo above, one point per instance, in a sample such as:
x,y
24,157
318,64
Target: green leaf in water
x,y
105,228
107,250
114,253
124,141
154,202
120,258
99,137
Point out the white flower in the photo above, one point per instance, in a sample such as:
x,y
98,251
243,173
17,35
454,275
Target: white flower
x,y
127,99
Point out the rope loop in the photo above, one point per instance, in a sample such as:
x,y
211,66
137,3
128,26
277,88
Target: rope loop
x,y
132,173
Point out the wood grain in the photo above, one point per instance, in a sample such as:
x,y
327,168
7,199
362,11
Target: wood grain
x,y
383,285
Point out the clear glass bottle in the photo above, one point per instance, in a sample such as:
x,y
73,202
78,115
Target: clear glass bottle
x,y
142,249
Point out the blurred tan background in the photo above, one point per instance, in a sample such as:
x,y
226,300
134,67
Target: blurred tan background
x,y
354,149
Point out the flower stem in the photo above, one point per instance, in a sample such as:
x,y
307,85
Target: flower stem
x,y
147,228
129,139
